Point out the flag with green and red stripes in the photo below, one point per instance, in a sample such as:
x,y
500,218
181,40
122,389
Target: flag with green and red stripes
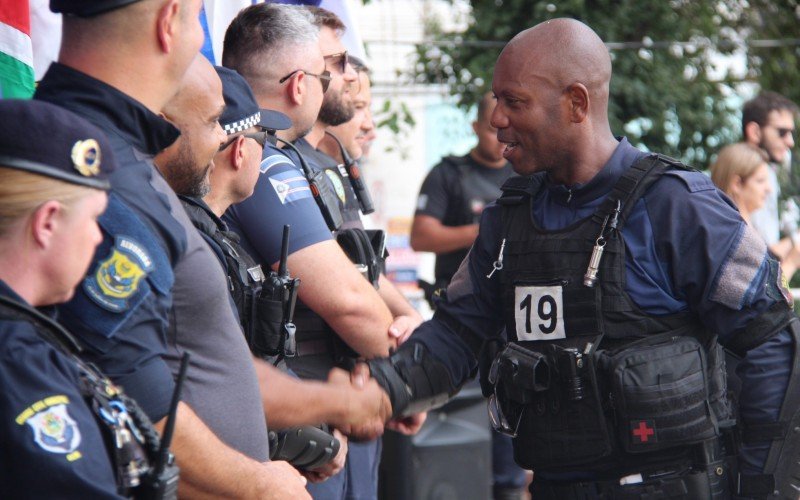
x,y
16,54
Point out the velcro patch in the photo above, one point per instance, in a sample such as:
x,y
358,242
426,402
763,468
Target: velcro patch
x,y
735,279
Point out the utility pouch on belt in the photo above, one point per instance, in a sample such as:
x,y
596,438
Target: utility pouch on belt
x,y
267,332
659,390
563,421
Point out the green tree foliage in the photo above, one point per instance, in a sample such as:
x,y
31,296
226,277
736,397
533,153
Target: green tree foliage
x,y
669,92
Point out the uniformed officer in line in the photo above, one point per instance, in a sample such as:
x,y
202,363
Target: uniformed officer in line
x,y
615,274
120,62
236,168
64,425
340,315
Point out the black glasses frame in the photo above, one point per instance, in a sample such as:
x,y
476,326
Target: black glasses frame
x,y
324,77
260,137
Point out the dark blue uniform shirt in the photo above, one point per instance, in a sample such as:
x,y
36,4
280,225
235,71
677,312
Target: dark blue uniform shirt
x,y
120,310
282,196
50,442
687,248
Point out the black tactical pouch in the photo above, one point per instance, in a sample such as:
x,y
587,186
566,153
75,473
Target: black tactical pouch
x,y
266,337
566,425
659,389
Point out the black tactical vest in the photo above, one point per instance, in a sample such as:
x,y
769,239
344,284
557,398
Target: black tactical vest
x,y
582,334
260,314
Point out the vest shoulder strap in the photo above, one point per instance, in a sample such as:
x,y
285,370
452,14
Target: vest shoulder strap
x,y
635,182
518,188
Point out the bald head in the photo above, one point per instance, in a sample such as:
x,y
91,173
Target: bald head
x,y
199,83
195,110
562,52
551,83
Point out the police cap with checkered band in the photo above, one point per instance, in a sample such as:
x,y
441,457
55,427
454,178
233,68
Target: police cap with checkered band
x,y
241,109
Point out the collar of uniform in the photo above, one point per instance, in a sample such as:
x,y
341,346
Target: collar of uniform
x,y
315,158
580,194
7,291
199,203
106,107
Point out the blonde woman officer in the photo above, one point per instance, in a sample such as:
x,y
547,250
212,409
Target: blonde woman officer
x,y
55,411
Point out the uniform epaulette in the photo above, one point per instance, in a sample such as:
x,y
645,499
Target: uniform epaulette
x,y
675,163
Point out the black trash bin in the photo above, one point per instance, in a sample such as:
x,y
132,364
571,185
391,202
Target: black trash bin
x,y
449,459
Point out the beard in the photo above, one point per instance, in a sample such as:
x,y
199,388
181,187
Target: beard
x,y
185,177
334,111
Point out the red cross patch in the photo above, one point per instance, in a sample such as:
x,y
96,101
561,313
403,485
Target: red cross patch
x,y
643,431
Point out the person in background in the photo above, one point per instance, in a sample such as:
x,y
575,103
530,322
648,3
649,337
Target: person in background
x,y
768,124
742,171
453,195
449,207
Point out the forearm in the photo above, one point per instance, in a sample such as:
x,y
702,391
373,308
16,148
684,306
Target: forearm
x,y
208,467
395,301
764,373
291,402
782,248
335,290
430,235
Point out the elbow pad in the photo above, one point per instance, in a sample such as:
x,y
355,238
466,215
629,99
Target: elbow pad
x,y
414,380
760,329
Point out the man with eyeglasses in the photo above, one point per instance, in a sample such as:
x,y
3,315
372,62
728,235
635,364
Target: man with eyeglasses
x,y
768,123
273,47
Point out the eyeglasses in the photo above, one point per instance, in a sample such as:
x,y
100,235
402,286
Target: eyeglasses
x,y
783,132
324,77
260,137
341,59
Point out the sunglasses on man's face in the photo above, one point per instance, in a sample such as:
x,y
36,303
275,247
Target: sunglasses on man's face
x,y
338,61
324,77
260,137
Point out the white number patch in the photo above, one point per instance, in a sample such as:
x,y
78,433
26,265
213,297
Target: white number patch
x,y
538,312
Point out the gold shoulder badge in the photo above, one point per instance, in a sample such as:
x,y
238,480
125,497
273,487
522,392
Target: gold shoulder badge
x,y
118,277
86,157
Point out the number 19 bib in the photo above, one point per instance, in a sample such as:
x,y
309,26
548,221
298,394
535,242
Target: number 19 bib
x,y
539,313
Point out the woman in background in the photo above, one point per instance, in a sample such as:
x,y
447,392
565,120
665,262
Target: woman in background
x,y
741,171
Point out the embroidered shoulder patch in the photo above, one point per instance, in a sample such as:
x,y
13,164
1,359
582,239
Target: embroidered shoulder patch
x,y
54,430
118,276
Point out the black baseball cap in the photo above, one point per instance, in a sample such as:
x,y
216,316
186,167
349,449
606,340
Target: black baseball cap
x,y
241,109
45,139
87,8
